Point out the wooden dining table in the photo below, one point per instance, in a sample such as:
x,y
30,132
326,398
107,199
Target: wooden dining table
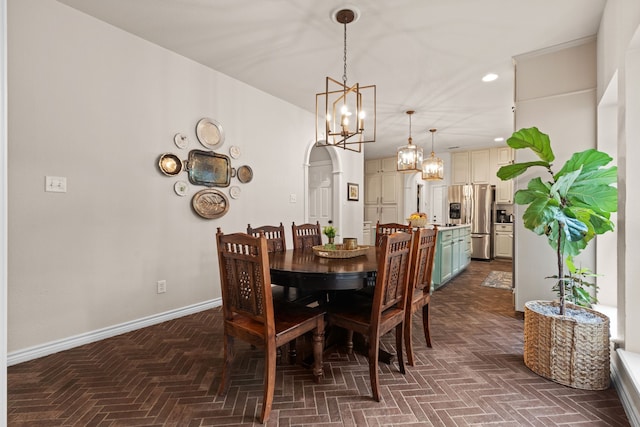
x,y
303,269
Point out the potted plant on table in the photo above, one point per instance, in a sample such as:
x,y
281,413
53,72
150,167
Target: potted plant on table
x,y
566,342
330,232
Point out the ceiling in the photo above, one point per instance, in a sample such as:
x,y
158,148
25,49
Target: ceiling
x,y
423,55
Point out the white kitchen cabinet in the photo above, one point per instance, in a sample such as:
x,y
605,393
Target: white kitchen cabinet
x,y
471,167
480,166
460,167
382,190
504,155
504,189
503,241
504,192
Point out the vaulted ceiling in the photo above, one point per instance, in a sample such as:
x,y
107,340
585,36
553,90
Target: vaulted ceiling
x,y
423,55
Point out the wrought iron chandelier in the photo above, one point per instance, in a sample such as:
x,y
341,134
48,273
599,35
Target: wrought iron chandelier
x,y
345,115
432,167
410,155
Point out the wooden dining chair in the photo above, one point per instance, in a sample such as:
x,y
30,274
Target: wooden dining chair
x,y
249,314
276,241
374,317
419,289
390,228
306,235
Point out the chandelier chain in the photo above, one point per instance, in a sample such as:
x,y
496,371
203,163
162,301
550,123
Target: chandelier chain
x,y
344,58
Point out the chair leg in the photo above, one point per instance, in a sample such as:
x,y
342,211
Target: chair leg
x,y
318,349
408,329
349,341
269,381
229,354
425,324
399,339
374,347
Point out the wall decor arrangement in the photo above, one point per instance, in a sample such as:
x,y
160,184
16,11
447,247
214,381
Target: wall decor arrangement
x,y
206,168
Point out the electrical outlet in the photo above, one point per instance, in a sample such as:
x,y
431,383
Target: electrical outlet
x,y
162,286
292,198
56,184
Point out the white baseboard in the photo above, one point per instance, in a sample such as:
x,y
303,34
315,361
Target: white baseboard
x,y
52,347
625,368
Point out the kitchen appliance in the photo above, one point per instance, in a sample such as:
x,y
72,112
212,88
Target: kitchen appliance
x,y
472,204
501,215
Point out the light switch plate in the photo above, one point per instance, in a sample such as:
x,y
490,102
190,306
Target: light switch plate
x,y
56,184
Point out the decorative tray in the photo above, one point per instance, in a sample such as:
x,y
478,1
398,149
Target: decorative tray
x,y
338,252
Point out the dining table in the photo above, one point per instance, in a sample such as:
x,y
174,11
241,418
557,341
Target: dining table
x,y
303,269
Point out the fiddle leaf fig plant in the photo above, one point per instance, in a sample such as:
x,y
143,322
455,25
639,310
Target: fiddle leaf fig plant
x,y
570,207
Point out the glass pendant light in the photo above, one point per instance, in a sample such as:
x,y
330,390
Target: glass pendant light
x,y
432,167
410,156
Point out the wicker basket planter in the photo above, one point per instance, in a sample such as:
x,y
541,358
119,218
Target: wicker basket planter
x,y
566,351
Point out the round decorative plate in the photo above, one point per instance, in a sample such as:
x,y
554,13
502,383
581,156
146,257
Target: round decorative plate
x,y
245,174
170,164
234,151
210,203
234,192
210,133
181,140
181,188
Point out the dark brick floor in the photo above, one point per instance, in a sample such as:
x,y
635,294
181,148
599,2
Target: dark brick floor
x,y
167,375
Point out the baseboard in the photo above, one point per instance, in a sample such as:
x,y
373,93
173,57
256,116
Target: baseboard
x,y
626,383
52,347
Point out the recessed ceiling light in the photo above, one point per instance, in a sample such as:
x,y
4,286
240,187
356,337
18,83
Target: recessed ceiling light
x,y
498,139
489,77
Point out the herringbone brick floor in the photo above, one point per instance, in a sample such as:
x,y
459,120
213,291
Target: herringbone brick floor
x,y
167,375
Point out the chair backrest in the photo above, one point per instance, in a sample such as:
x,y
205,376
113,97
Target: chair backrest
x,y
393,273
245,278
424,249
306,235
274,234
389,228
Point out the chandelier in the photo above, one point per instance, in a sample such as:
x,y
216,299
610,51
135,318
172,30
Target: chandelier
x,y
345,115
432,167
409,156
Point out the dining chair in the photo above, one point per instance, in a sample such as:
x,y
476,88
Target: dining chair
x,y
419,289
390,228
306,235
276,241
249,314
374,317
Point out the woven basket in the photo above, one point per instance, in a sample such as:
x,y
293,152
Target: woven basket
x,y
418,222
565,351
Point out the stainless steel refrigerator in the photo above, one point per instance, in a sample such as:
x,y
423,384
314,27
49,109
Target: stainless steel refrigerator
x,y
472,204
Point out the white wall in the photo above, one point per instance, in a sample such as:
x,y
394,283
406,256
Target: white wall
x,y
97,105
555,92
3,210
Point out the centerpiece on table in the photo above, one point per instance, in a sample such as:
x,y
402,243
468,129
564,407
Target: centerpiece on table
x,y
330,232
565,341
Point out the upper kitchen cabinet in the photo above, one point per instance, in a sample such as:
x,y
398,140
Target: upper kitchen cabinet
x,y
382,190
471,167
504,189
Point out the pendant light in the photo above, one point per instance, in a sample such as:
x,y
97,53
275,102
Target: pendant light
x,y
345,115
432,167
410,155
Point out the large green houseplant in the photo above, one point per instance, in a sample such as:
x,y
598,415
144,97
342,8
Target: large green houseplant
x,y
570,207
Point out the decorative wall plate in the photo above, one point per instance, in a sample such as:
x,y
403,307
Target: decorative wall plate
x,y
170,164
234,151
181,140
234,192
245,174
209,133
181,188
210,203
